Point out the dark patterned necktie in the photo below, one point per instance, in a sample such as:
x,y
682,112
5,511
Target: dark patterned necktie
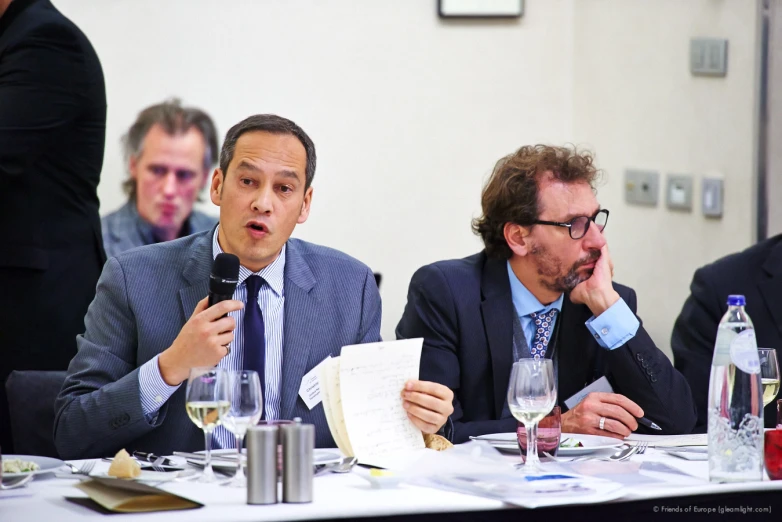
x,y
254,339
542,332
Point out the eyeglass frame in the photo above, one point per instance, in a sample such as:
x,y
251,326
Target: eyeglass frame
x,y
569,224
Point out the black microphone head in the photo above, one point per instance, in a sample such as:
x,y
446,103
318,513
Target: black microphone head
x,y
225,274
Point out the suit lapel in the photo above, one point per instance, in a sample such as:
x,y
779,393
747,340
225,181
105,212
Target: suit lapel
x,y
574,365
770,285
497,314
196,273
302,311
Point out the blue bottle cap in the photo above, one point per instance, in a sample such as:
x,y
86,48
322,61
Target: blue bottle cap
x,y
736,300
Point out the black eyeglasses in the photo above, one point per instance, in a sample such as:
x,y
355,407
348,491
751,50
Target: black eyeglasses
x,y
579,225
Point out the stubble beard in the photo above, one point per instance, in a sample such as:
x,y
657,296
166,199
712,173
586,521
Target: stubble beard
x,y
552,276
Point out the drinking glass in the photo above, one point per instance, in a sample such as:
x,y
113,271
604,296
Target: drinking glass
x,y
245,411
207,403
769,374
772,451
549,433
532,393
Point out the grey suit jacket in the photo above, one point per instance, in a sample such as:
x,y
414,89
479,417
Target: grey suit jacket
x,y
124,229
145,296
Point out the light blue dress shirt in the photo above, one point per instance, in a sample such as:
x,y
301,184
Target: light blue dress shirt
x,y
271,298
612,329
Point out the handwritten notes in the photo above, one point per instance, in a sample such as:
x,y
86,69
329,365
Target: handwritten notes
x,y
363,402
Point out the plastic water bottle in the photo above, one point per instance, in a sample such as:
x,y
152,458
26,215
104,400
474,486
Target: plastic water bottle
x,y
735,430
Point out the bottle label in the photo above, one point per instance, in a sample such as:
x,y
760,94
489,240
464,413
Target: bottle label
x,y
744,352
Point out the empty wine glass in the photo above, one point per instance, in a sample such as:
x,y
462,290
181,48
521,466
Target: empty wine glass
x,y
245,411
207,402
769,374
532,393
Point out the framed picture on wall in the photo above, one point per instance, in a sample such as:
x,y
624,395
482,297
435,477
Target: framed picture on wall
x,y
480,8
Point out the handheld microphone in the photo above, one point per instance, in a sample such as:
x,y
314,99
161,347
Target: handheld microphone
x,y
224,278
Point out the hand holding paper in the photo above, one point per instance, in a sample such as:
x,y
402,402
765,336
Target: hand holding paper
x,y
428,404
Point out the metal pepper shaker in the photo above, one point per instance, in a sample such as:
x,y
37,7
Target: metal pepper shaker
x,y
298,441
262,464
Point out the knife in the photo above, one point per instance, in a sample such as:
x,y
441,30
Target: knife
x,y
151,457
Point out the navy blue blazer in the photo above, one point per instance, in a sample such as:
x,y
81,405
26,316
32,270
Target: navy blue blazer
x,y
464,311
755,273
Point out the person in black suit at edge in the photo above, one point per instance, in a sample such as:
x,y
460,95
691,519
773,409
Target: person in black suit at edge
x,y
755,273
52,133
542,286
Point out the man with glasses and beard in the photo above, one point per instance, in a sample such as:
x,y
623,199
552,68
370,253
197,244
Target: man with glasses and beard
x,y
542,288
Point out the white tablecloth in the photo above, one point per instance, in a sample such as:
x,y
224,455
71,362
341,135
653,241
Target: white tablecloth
x,y
336,496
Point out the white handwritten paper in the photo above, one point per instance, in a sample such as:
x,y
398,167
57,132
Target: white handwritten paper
x,y
332,405
371,379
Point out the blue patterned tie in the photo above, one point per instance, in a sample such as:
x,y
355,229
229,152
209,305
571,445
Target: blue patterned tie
x,y
254,340
542,332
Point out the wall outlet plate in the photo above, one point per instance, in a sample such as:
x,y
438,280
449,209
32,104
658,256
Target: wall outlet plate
x,y
711,197
642,187
678,192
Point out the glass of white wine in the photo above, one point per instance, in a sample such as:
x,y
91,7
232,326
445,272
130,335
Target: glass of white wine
x,y
207,402
532,393
245,411
769,374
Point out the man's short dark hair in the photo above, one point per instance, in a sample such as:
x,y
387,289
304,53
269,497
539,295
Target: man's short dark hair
x,y
512,192
272,124
174,119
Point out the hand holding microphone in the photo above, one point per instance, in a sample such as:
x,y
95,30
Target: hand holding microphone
x,y
204,338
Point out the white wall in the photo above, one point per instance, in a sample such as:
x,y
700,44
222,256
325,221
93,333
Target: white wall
x,y
774,151
638,105
409,113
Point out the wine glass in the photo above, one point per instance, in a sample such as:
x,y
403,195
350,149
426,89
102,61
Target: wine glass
x,y
245,411
206,403
769,374
532,393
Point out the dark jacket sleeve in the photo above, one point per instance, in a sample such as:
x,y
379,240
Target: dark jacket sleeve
x,y
39,93
431,313
644,374
692,341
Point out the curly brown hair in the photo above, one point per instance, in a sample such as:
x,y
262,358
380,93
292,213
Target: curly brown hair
x,y
511,194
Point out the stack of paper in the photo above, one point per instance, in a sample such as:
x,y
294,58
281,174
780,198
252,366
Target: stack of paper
x,y
668,441
362,400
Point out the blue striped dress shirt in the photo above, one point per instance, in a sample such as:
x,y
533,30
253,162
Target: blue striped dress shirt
x,y
271,298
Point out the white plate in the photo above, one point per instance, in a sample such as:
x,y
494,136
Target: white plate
x,y
319,456
46,464
592,443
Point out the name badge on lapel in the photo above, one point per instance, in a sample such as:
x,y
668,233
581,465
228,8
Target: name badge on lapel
x,y
309,391
600,385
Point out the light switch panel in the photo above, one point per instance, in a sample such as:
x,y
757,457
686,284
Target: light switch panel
x,y
711,197
642,187
678,192
709,56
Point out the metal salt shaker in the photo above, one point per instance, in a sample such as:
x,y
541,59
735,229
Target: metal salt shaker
x,y
298,441
262,464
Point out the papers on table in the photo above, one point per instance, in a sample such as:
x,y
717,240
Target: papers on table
x,y
668,441
362,401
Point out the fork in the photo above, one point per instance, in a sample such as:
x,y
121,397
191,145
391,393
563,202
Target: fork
x,y
84,469
641,447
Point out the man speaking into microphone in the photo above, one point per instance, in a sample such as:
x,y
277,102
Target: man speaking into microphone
x,y
295,303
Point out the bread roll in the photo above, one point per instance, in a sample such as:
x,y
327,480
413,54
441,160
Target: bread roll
x,y
123,466
436,442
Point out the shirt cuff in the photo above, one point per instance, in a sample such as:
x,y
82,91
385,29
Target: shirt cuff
x,y
153,389
614,327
